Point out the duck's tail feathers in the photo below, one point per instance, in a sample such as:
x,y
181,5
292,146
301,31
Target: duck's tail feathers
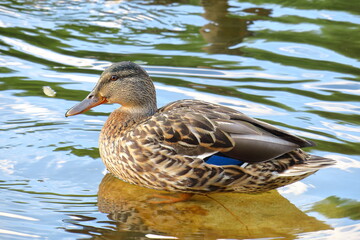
x,y
311,165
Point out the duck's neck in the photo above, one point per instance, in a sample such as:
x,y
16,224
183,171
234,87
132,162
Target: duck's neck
x,y
125,117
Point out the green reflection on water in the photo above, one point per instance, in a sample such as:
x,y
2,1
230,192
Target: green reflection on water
x,y
80,152
336,207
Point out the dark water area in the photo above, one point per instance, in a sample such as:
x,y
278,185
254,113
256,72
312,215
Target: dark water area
x,y
294,64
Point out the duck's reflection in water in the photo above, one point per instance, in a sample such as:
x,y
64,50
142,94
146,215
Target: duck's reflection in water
x,y
222,215
225,29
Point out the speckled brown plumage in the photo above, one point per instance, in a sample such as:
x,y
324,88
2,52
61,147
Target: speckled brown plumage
x,y
168,148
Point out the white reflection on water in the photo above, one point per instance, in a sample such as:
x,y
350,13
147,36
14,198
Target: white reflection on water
x,y
203,72
12,215
335,107
8,232
248,107
4,232
73,77
349,232
112,24
339,86
8,63
296,188
27,108
47,54
341,131
155,236
309,135
305,51
343,163
22,106
7,167
341,127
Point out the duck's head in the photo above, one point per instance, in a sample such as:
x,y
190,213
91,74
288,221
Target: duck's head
x,y
125,83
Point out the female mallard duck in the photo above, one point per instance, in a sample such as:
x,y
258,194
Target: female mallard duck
x,y
191,146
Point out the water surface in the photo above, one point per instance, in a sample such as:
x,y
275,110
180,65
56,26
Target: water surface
x,y
294,64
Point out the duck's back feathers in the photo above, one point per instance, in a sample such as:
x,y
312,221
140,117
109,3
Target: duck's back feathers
x,y
206,127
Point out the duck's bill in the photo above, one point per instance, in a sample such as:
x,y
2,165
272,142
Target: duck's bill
x,y
88,103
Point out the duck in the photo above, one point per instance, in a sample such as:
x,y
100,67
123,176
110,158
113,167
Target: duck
x,y
191,146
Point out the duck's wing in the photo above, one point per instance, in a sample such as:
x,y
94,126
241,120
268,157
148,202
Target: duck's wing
x,y
198,128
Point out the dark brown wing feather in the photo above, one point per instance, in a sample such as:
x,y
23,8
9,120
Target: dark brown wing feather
x,y
195,127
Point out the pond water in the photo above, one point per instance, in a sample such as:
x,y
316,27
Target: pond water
x,y
294,64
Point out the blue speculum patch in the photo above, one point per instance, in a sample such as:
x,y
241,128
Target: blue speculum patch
x,y
221,160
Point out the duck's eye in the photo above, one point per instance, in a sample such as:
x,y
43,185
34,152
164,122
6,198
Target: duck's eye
x,y
114,78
